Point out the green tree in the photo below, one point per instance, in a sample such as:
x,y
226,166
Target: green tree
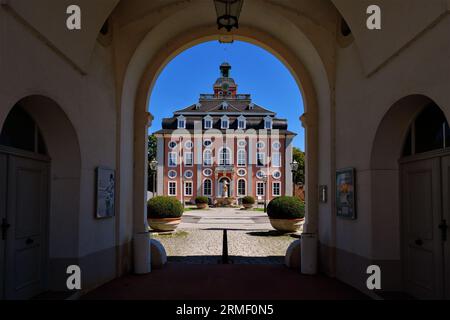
x,y
152,145
299,175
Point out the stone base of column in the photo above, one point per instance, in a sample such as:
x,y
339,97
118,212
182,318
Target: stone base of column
x,y
142,253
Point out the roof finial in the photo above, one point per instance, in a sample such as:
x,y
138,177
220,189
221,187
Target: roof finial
x,y
225,69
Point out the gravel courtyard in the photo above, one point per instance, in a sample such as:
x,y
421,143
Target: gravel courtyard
x,y
251,239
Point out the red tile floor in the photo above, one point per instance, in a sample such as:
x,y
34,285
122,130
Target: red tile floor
x,y
224,282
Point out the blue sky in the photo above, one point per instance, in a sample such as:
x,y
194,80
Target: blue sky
x,y
255,70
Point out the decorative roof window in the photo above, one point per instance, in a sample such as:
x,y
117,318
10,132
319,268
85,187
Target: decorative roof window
x,y
198,106
224,105
181,122
208,122
268,122
224,122
242,122
251,106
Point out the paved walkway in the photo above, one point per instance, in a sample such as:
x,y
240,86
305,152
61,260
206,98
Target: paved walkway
x,y
251,238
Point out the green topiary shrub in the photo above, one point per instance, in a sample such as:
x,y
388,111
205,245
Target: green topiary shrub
x,y
248,200
286,208
201,200
164,207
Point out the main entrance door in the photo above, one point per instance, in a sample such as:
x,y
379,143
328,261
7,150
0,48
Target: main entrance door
x,y
24,225
425,200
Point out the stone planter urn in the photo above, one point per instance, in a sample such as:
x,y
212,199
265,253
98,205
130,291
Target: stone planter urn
x,y
163,224
287,225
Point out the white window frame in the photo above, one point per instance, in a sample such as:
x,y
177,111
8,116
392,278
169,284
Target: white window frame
x,y
185,188
168,188
181,120
207,175
209,151
207,140
276,165
268,120
192,159
275,172
209,120
263,189
243,120
189,144
244,172
203,188
264,162
170,142
169,164
190,172
223,120
260,145
175,176
245,188
273,188
223,161
239,163
276,145
242,143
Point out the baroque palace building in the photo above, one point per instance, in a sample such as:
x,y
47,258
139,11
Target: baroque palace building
x,y
224,146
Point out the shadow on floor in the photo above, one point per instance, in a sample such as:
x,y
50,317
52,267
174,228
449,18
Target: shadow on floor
x,y
273,233
233,260
224,282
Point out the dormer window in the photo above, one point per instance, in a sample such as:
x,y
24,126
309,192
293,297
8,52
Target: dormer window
x,y
242,123
224,105
251,106
181,122
224,122
197,106
208,122
267,122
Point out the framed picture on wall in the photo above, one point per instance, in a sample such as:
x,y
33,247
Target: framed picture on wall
x,y
105,193
346,193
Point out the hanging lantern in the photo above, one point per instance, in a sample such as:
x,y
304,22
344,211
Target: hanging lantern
x,y
228,12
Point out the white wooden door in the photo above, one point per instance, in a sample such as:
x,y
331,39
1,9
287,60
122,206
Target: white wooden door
x,y
26,241
422,243
445,232
3,222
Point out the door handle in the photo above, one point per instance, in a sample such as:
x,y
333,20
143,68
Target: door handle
x,y
419,242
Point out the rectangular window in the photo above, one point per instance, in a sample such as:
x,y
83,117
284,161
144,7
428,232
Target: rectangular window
x,y
207,158
242,161
241,124
188,160
172,159
172,188
188,188
260,189
276,189
276,159
260,159
181,124
208,124
224,124
268,124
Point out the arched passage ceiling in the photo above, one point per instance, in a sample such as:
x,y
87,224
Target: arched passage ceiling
x,y
402,21
48,19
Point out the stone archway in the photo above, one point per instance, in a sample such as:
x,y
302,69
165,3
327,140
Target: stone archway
x,y
64,174
160,46
385,187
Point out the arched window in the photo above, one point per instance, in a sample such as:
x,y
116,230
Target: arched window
x,y
242,155
207,187
241,187
224,157
428,132
21,132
